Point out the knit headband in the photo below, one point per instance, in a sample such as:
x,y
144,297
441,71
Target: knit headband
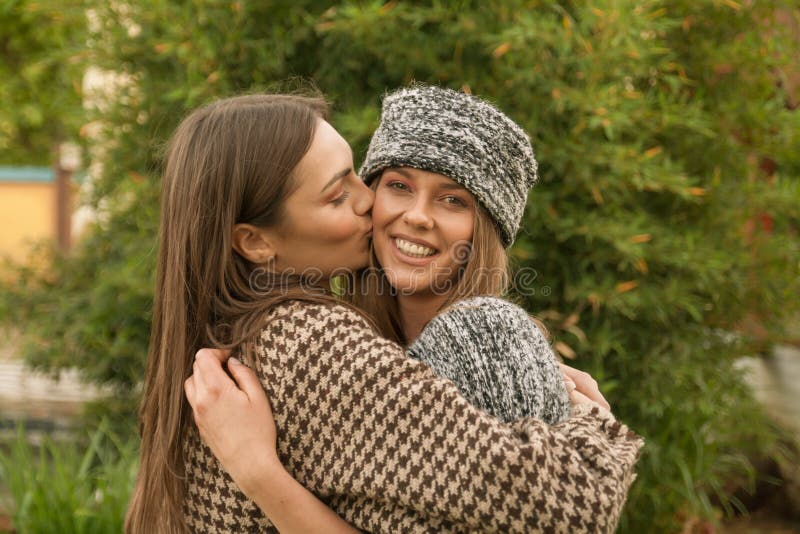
x,y
462,137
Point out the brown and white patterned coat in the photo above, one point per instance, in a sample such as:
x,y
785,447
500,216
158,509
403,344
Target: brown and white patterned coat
x,y
394,448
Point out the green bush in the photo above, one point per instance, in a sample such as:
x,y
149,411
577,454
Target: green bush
x,y
78,487
40,66
664,232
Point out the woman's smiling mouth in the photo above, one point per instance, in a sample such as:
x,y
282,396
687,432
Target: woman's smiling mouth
x,y
413,250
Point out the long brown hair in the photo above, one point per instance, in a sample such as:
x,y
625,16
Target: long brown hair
x,y
229,162
485,273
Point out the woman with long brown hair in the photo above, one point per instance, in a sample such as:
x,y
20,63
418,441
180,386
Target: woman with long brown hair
x,y
229,170
260,209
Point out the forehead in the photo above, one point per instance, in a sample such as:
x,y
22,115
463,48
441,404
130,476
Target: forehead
x,y
328,155
327,147
327,138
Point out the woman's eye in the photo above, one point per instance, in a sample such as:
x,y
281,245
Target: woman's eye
x,y
341,198
455,201
400,186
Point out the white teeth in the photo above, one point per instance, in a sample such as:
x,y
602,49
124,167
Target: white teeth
x,y
412,249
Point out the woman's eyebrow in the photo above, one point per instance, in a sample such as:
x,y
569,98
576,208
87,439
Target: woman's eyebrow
x,y
338,176
453,186
445,185
400,170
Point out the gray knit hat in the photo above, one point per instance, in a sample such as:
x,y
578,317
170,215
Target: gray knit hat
x,y
462,137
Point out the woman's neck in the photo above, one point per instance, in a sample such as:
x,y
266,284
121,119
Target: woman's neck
x,y
417,310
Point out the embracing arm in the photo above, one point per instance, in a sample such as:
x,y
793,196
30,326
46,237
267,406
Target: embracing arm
x,y
382,439
237,424
236,421
292,508
392,447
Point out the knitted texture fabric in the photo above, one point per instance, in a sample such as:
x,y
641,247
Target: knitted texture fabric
x,y
498,358
462,137
392,447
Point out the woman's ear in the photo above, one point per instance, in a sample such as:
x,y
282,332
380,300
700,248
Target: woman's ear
x,y
253,243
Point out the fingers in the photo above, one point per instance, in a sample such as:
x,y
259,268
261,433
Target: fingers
x,y
208,367
221,355
189,389
580,377
585,384
576,398
246,379
209,382
597,397
569,384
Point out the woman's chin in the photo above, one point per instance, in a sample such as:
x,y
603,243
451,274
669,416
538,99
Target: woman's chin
x,y
407,284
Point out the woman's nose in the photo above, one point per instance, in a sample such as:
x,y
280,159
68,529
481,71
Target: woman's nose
x,y
364,198
417,215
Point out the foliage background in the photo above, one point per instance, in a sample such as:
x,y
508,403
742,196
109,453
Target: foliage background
x,y
41,52
664,231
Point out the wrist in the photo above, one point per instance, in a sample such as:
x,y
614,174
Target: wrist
x,y
261,474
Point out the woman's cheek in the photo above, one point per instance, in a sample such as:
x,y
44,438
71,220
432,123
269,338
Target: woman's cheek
x,y
381,208
342,228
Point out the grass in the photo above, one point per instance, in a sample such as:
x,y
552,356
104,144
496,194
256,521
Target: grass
x,y
80,486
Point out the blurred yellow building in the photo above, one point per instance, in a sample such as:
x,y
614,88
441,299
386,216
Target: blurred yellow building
x,y
35,205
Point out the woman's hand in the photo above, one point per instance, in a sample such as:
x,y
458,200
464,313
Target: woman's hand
x,y
235,421
234,418
582,388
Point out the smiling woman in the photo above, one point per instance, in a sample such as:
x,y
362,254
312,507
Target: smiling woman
x,y
451,174
422,223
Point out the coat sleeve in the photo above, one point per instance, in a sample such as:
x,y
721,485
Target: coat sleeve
x,y
384,439
498,358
